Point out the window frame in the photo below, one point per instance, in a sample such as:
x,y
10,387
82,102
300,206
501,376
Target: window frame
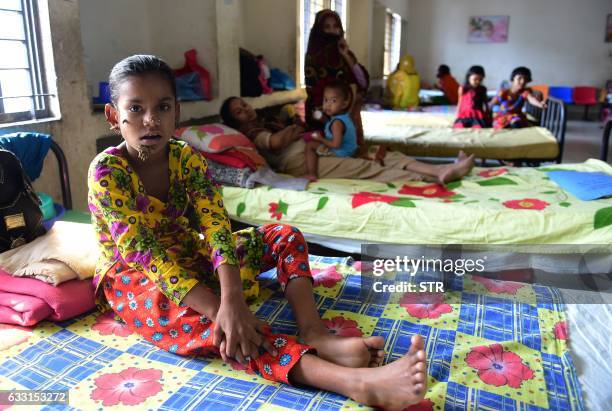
x,y
392,43
41,97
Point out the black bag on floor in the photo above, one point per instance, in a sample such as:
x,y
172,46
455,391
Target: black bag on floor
x,y
20,214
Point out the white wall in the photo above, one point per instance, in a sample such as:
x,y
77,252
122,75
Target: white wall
x,y
269,28
401,7
366,30
377,50
176,27
405,36
359,32
561,41
114,29
108,36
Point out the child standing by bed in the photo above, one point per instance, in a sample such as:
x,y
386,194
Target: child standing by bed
x,y
184,289
340,138
508,104
472,110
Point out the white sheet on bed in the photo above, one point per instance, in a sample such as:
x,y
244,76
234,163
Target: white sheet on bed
x,y
591,348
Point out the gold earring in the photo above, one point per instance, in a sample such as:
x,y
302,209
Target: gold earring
x,y
115,129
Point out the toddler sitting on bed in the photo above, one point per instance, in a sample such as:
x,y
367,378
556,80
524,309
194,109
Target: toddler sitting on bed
x,y
340,138
508,104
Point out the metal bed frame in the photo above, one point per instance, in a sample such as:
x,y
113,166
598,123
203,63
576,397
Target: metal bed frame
x,y
554,118
63,174
605,141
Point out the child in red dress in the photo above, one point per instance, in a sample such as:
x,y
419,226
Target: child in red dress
x,y
472,109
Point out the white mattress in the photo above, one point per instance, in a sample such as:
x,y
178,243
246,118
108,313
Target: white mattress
x,y
591,349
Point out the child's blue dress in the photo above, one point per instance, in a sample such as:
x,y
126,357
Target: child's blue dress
x,y
349,139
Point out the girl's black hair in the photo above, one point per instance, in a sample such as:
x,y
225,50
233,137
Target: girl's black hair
x,y
138,65
479,70
481,91
443,69
226,114
521,71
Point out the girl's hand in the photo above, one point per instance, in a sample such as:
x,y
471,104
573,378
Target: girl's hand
x,y
298,128
343,47
533,100
295,132
345,52
238,333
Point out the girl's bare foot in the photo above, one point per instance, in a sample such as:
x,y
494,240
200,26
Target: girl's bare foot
x,y
311,177
353,352
396,385
452,172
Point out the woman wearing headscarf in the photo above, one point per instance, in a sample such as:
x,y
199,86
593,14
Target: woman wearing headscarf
x,y
329,58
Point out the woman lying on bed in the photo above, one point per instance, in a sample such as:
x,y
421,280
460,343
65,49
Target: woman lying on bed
x,y
283,147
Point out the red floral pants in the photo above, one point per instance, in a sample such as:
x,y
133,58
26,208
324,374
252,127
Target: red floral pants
x,y
181,330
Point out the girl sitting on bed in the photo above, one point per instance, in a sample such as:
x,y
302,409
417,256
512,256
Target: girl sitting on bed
x,y
508,105
340,138
472,110
283,147
185,289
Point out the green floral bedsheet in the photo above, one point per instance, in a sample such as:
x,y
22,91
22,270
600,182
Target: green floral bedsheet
x,y
503,205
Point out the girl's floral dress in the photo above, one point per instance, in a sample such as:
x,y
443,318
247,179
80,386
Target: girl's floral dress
x,y
154,252
508,113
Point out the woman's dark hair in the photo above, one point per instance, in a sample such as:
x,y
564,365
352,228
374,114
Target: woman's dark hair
x,y
138,65
342,87
479,70
317,37
226,114
443,70
521,71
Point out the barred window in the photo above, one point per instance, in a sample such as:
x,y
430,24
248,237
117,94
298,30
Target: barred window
x,y
27,76
393,35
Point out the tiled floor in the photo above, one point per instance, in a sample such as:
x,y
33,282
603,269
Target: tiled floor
x,y
583,141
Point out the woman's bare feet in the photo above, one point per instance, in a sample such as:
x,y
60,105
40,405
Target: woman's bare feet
x,y
396,385
455,171
353,352
461,156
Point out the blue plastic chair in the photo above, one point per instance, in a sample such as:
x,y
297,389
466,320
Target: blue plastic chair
x,y
565,94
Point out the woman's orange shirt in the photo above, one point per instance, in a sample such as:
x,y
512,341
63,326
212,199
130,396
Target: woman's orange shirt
x,y
450,87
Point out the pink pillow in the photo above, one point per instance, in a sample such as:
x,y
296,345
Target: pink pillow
x,y
213,138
